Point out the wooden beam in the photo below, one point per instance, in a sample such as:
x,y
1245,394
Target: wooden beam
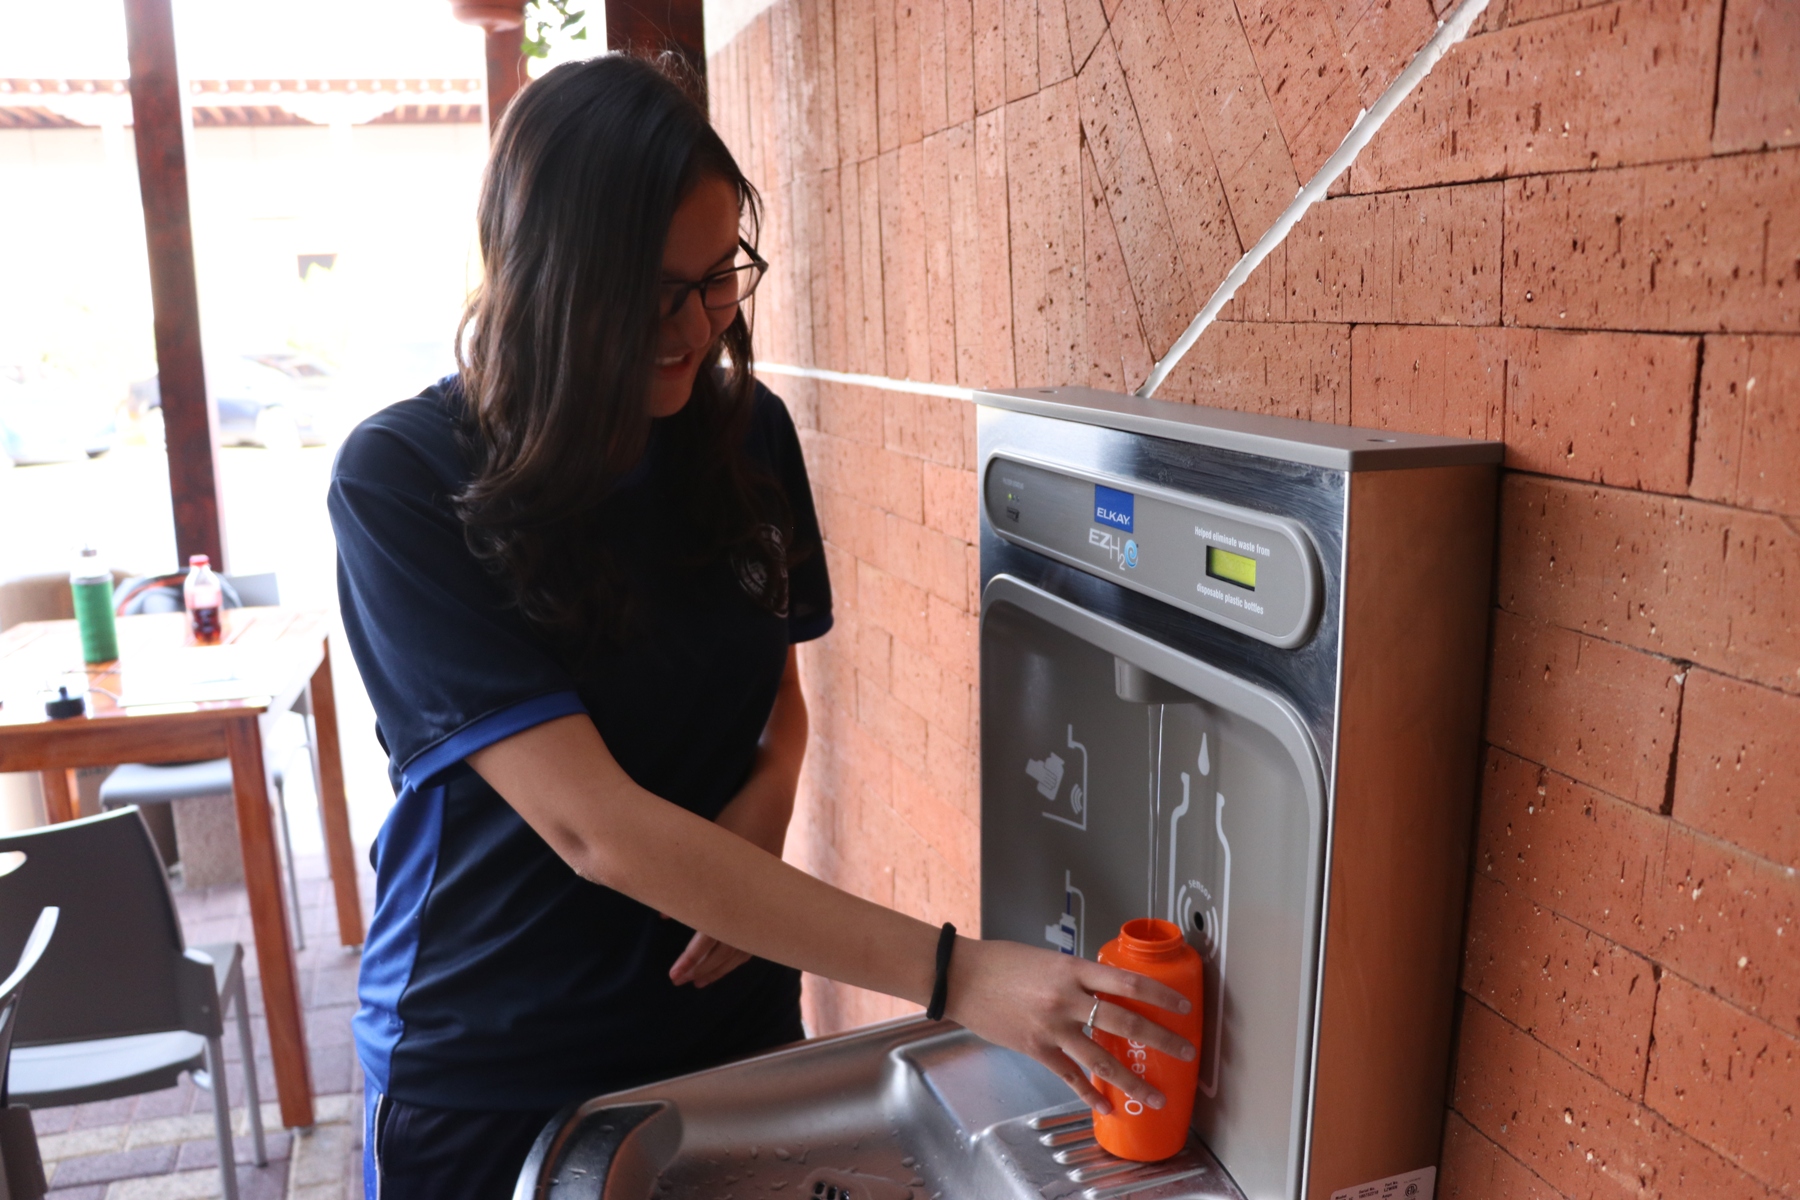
x,y
156,108
650,26
505,71
503,21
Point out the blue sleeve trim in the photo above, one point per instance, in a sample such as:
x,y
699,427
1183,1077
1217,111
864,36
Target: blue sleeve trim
x,y
483,732
805,630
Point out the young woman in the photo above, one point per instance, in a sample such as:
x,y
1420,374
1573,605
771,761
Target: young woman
x,y
573,576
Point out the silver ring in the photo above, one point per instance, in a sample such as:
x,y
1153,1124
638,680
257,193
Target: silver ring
x,y
1088,1029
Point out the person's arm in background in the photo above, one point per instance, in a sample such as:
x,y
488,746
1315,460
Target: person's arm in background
x,y
561,778
759,814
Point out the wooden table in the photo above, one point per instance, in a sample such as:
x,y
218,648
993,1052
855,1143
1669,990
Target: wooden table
x,y
287,654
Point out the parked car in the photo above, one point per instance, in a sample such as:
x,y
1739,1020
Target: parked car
x,y
281,401
48,415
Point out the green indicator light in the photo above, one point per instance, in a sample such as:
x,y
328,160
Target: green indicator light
x,y
1232,568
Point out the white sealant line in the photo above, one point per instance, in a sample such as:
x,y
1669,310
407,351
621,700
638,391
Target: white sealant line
x,y
948,391
1449,32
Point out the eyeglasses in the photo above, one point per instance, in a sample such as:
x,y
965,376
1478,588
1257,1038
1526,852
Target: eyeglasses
x,y
721,290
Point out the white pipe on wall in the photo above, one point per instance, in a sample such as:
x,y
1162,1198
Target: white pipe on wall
x,y
1449,32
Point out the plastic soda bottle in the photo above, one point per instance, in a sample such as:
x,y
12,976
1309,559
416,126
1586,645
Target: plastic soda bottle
x,y
92,585
1132,1130
204,601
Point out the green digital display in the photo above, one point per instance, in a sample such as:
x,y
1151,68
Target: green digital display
x,y
1232,568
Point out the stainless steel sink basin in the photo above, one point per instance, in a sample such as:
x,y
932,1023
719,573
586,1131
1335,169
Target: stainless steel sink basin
x,y
909,1108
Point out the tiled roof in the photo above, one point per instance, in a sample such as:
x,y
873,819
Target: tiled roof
x,y
90,103
34,116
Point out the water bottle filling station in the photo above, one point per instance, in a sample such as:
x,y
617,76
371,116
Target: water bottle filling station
x,y
1231,670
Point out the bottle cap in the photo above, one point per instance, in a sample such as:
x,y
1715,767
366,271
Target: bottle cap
x,y
65,706
89,552
199,560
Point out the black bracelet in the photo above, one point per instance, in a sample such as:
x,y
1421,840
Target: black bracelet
x,y
940,987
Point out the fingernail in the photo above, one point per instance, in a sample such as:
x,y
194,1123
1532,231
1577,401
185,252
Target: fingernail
x,y
1188,1053
1186,1006
1103,1108
1156,1100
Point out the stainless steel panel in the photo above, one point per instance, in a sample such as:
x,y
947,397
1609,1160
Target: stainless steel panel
x,y
1313,498
1121,779
1320,444
903,1111
1404,794
1162,543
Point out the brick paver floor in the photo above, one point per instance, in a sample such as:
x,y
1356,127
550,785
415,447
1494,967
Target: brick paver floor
x,y
160,1146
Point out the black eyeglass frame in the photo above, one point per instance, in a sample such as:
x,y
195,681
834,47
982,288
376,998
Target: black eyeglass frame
x,y
676,293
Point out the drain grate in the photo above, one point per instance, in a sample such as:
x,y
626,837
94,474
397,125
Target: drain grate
x,y
828,1184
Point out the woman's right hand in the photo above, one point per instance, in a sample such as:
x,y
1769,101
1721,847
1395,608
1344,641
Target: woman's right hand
x,y
1037,1002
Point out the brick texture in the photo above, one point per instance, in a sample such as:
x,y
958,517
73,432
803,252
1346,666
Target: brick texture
x,y
1235,113
1726,920
1610,408
1583,996
1424,257
1711,245
1574,1132
1305,75
1758,63
1578,237
1729,1081
1287,370
1167,104
1577,851
1701,582
1474,1168
1707,910
1592,710
888,807
1739,757
1599,87
1429,379
1140,218
1747,442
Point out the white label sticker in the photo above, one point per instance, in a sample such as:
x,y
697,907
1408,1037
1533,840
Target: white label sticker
x,y
1414,1185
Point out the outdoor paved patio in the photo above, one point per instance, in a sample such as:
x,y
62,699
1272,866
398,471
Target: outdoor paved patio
x,y
160,1146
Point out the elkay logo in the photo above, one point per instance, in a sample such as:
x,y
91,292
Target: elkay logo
x,y
1123,551
1112,507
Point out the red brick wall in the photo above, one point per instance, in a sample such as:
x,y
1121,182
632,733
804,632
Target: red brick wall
x,y
1581,235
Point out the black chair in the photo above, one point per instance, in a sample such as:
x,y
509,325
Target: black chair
x,y
119,1005
21,1166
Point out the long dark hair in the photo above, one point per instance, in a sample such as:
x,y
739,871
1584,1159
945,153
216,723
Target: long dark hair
x,y
557,344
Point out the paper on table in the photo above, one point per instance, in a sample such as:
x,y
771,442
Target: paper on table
x,y
191,676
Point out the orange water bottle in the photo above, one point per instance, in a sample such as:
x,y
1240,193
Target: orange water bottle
x,y
1132,1130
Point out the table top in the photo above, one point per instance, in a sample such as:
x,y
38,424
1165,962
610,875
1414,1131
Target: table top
x,y
267,654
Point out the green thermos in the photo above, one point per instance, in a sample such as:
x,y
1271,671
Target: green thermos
x,y
93,587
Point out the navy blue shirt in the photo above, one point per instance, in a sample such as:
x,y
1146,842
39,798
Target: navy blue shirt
x,y
494,977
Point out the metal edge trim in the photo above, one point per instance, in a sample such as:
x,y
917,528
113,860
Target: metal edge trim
x,y
546,1150
1321,949
1280,720
1312,602
1283,438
